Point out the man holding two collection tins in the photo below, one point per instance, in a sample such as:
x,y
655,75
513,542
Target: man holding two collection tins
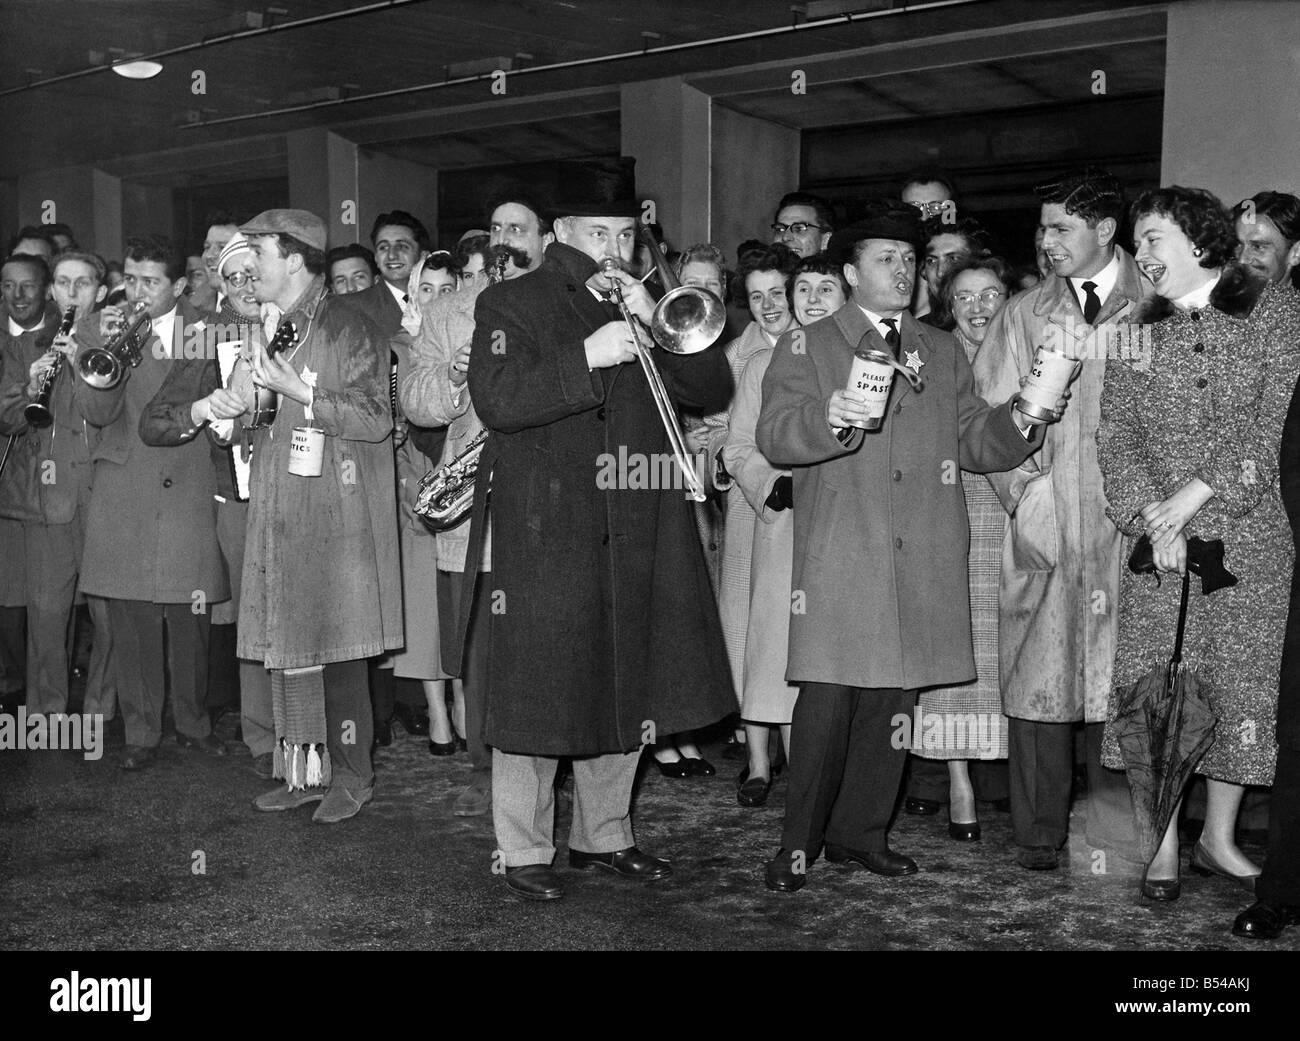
x,y
880,606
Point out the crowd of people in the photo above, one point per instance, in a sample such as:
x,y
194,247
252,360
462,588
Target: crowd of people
x,y
923,595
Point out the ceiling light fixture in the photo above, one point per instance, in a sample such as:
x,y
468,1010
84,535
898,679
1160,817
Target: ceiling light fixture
x,y
137,70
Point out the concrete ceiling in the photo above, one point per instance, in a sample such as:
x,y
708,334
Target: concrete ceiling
x,y
925,60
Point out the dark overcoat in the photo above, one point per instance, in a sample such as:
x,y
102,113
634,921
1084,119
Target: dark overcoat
x,y
879,591
603,621
151,533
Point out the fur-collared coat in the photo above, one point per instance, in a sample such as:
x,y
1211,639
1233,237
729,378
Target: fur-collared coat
x,y
1211,406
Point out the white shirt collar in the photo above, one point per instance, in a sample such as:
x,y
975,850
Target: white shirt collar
x,y
1198,299
878,321
165,329
1104,280
16,330
398,294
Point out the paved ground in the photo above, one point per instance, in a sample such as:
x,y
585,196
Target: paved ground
x,y
95,858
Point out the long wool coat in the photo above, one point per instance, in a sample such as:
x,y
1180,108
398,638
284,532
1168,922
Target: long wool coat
x,y
1212,407
603,622
1061,555
151,531
322,581
880,530
1288,702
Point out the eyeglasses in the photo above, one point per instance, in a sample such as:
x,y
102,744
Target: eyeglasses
x,y
238,279
797,228
929,209
989,296
79,286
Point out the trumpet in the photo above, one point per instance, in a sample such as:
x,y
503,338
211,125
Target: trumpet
x,y
102,367
37,413
447,492
686,320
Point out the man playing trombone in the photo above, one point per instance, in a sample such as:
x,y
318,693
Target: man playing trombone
x,y
603,628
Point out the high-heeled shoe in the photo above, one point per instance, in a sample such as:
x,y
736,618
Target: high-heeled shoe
x,y
699,767
1204,864
679,768
1165,890
964,832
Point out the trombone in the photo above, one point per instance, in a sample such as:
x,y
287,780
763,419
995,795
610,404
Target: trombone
x,y
686,320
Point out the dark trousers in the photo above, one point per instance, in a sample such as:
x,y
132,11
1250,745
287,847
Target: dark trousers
x,y
383,692
474,671
844,769
144,660
1280,881
1042,768
13,649
928,778
349,724
53,560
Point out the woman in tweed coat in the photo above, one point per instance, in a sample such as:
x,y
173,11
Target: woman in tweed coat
x,y
965,722
1188,446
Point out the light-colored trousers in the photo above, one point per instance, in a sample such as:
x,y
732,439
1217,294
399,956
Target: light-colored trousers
x,y
523,805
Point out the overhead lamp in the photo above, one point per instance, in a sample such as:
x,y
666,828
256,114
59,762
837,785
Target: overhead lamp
x,y
137,69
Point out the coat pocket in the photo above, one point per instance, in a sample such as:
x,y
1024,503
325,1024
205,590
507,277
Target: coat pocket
x,y
1033,527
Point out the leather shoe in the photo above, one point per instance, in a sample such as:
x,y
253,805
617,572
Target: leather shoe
x,y
534,882
137,758
211,744
754,791
700,767
264,765
341,803
383,733
1165,890
921,807
1037,858
1001,805
413,721
630,863
780,875
878,862
442,747
964,832
283,798
678,769
1265,921
474,801
1202,863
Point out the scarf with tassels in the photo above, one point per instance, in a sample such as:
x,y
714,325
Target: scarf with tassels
x,y
301,758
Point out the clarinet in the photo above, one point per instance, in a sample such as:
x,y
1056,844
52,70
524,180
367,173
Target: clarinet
x,y
38,413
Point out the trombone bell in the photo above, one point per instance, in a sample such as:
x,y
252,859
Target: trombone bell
x,y
687,320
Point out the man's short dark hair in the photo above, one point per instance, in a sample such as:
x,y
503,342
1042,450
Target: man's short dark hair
x,y
221,219
59,228
930,175
1279,207
401,219
85,257
156,249
312,258
978,239
32,260
352,249
822,207
32,231
1201,216
1091,194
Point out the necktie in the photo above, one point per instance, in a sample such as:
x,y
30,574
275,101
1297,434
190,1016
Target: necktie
x,y
891,337
1091,302
271,315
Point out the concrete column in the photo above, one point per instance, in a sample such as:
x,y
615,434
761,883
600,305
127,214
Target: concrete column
x,y
1232,91
87,200
349,186
755,162
666,128
146,209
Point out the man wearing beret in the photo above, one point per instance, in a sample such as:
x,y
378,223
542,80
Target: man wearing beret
x,y
881,541
321,586
603,628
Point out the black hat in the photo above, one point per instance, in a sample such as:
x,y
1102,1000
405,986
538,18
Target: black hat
x,y
597,189
885,219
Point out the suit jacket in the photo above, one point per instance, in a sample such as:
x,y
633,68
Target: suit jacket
x,y
1061,557
48,476
151,533
880,595
604,629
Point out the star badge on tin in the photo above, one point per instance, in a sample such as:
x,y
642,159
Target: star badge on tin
x,y
914,361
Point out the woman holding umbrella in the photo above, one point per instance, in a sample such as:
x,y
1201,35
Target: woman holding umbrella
x,y
1188,446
